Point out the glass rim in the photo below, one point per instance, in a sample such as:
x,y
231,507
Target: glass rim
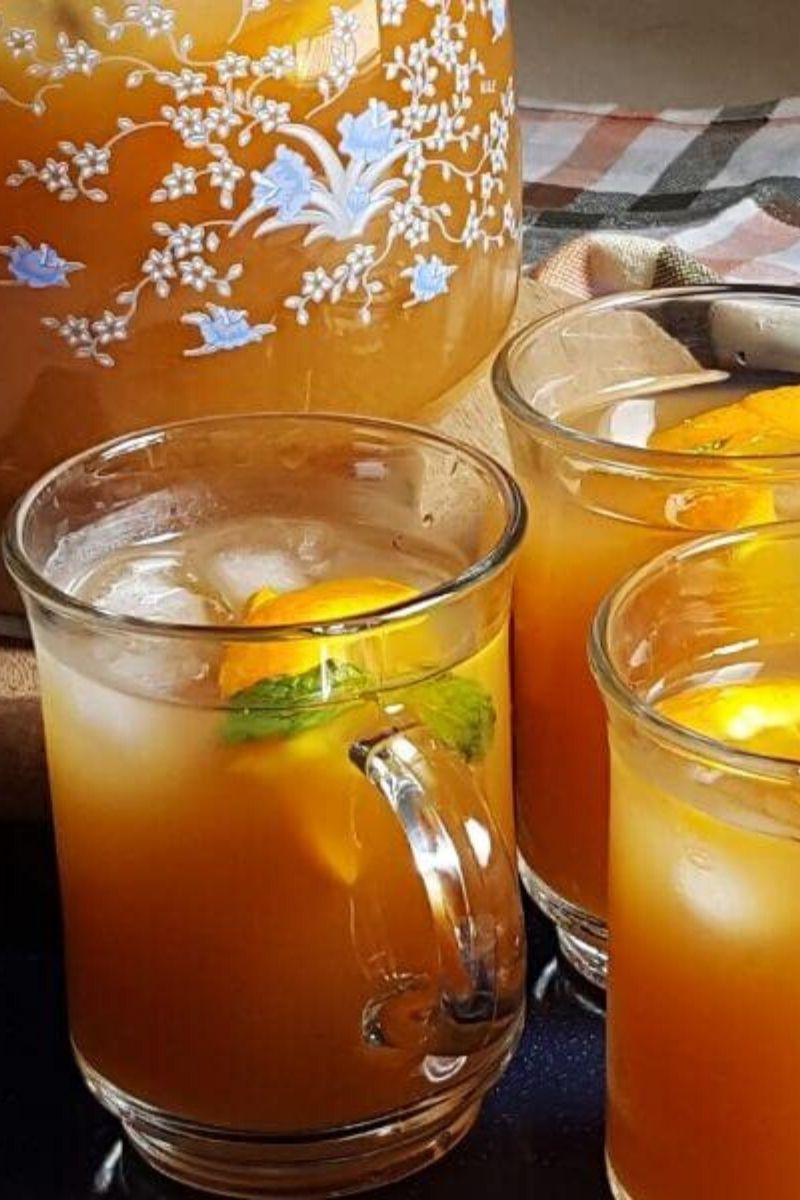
x,y
30,580
613,686
668,463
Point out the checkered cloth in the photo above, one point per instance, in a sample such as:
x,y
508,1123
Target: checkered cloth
x,y
680,196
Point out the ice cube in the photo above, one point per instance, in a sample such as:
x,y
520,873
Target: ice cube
x,y
236,574
151,587
717,889
98,727
155,586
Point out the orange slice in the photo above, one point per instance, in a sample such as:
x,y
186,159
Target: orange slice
x,y
779,408
245,663
765,422
762,423
722,430
721,507
763,717
660,503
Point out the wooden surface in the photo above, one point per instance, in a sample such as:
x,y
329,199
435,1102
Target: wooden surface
x,y
472,415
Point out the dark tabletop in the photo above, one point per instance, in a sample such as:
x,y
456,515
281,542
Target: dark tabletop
x,y
540,1135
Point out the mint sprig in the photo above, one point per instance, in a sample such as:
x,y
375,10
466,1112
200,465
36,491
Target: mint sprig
x,y
285,705
457,711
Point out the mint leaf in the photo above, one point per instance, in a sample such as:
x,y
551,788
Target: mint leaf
x,y
286,705
458,711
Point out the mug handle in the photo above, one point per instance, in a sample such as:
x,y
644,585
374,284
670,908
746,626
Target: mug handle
x,y
473,894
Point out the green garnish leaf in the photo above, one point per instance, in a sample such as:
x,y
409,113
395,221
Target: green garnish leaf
x,y
286,705
458,711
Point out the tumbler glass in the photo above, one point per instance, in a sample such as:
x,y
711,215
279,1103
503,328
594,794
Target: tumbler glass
x,y
697,656
636,422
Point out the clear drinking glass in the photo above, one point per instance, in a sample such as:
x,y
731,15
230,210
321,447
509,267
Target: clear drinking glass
x,y
294,940
698,659
204,200
612,409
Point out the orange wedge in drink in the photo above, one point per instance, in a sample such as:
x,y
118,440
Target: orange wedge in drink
x,y
762,423
765,422
245,663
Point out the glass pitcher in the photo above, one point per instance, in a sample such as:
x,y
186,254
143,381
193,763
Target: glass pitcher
x,y
204,197
273,659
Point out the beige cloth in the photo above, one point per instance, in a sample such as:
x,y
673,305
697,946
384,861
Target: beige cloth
x,y
471,414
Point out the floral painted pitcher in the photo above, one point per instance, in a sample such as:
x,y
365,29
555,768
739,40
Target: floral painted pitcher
x,y
216,205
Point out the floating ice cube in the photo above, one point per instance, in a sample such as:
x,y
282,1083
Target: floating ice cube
x,y
717,889
150,587
98,727
236,574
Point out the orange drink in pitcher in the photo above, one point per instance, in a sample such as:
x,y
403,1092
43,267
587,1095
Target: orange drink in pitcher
x,y
205,200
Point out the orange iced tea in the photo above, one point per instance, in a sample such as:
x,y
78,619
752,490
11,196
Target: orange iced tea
x,y
279,750
221,956
703,1049
622,473
212,205
594,527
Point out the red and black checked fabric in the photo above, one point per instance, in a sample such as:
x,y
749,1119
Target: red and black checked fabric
x,y
720,188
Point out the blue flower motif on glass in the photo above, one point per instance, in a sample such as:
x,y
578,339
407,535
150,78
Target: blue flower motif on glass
x,y
37,267
223,329
430,277
499,15
341,195
284,185
371,135
358,200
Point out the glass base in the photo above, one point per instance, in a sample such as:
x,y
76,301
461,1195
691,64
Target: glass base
x,y
231,1162
556,986
583,939
617,1190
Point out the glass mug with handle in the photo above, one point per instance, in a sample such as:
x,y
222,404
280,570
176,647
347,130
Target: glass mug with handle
x,y
274,675
636,422
199,198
